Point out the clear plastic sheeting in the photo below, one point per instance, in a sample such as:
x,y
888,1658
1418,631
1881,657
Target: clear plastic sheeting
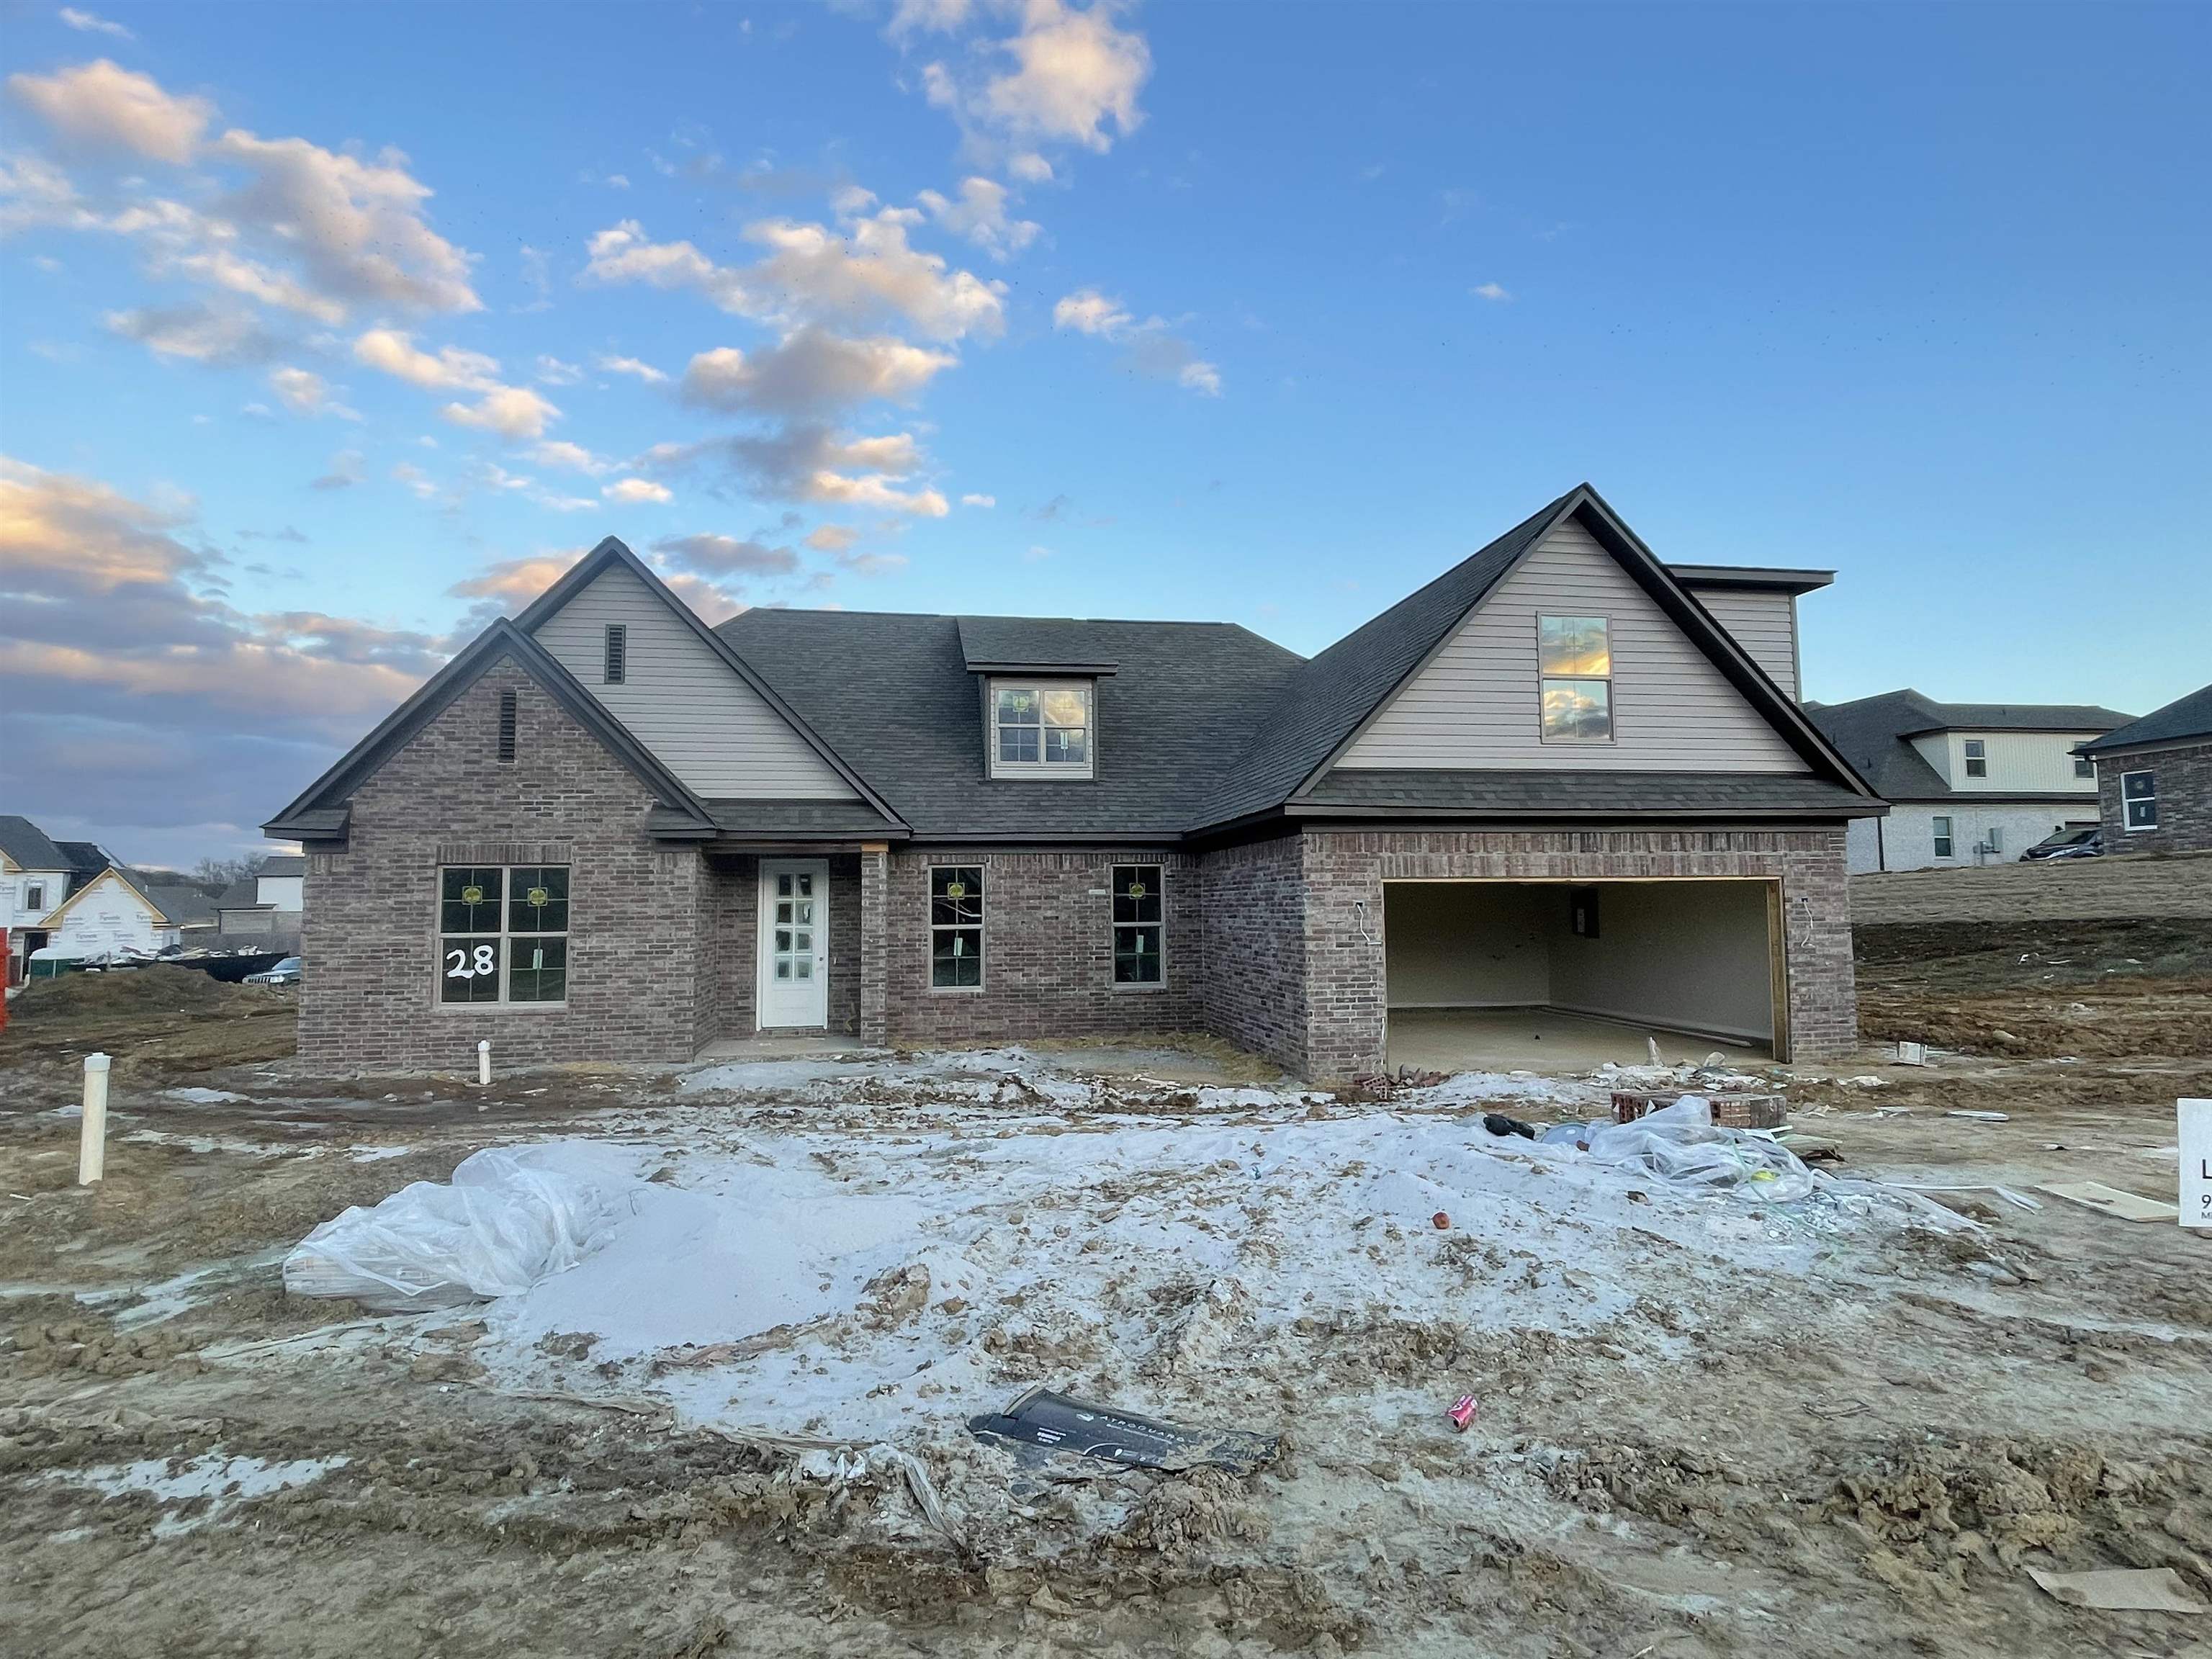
x,y
507,1220
1679,1146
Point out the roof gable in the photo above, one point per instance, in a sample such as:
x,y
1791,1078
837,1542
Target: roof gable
x,y
318,813
1333,698
128,880
1475,704
539,618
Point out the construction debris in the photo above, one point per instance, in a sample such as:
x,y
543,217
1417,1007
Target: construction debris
x,y
1054,1423
2095,1196
2121,1590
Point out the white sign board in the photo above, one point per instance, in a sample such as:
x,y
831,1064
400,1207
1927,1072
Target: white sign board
x,y
2195,1133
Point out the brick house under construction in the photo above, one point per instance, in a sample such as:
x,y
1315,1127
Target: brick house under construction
x,y
1562,776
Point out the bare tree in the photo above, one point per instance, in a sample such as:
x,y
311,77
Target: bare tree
x,y
221,872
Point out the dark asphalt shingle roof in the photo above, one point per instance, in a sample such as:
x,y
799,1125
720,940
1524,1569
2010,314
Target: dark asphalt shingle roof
x,y
2185,717
242,895
1874,733
184,903
1063,642
86,859
25,842
1563,793
893,695
284,864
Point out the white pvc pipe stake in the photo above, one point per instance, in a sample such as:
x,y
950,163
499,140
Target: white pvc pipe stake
x,y
92,1142
483,1062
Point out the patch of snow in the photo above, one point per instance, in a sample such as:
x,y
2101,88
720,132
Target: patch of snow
x,y
377,1154
225,1481
199,1097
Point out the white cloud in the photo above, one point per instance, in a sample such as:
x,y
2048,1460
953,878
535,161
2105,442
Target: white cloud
x,y
980,216
513,411
862,270
727,555
1068,76
1089,312
832,537
512,584
1491,291
566,503
393,352
305,393
1030,168
572,457
101,106
285,221
222,337
551,370
811,463
978,501
34,192
810,371
645,372
635,490
358,226
85,23
415,478
1151,346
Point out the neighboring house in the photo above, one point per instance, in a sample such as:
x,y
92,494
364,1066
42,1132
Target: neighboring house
x,y
606,830
121,911
36,874
265,906
2155,779
1967,783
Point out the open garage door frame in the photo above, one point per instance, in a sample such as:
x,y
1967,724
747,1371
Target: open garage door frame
x,y
1777,955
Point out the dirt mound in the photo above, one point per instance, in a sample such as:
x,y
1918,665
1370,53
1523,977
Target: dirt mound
x,y
157,989
1926,1511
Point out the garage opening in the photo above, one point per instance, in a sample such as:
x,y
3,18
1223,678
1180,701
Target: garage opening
x,y
1557,975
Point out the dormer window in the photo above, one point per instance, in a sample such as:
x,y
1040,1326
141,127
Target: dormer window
x,y
1041,728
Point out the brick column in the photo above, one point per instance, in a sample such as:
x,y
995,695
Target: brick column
x,y
875,951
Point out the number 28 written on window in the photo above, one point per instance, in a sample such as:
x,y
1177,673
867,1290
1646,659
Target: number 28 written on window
x,y
467,965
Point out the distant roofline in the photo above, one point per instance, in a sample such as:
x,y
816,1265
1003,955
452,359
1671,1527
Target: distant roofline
x,y
1765,578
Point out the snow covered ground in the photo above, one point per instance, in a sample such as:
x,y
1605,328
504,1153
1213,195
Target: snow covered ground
x,y
879,1252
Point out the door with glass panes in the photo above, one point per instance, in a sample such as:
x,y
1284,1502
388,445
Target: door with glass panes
x,y
794,942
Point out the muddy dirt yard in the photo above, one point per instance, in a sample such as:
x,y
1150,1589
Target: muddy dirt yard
x,y
1845,1425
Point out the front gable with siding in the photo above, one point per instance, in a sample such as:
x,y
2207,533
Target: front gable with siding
x,y
1474,705
682,700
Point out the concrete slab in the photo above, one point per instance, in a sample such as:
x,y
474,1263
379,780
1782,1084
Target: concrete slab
x,y
779,1045
1540,1040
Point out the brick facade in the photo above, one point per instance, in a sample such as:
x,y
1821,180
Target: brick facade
x,y
1047,949
1277,946
639,911
1255,958
2184,779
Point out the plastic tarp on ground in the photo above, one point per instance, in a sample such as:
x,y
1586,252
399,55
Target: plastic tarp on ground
x,y
1679,1146
506,1221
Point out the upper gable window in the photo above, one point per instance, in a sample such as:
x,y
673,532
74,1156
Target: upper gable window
x,y
1574,657
1041,728
1978,758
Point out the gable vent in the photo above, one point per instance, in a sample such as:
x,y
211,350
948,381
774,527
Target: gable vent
x,y
618,658
506,726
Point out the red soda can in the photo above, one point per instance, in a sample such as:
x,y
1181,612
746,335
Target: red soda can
x,y
1462,1412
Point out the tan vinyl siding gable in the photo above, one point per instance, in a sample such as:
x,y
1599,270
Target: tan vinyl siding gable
x,y
1765,625
2034,762
1474,704
682,701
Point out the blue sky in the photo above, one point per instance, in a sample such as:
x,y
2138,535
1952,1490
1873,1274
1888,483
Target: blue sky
x,y
331,331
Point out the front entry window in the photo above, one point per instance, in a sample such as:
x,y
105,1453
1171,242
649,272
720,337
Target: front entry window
x,y
794,954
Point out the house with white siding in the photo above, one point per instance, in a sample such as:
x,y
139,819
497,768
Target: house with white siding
x,y
37,873
122,911
1563,780
1967,783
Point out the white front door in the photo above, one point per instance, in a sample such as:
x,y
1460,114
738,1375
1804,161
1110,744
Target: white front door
x,y
794,942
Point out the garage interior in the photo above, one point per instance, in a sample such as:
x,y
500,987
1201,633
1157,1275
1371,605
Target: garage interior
x,y
1503,975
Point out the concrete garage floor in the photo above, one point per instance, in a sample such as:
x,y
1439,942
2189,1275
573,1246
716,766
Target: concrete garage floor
x,y
1538,1039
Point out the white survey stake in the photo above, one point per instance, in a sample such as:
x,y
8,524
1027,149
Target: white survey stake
x,y
2196,1135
